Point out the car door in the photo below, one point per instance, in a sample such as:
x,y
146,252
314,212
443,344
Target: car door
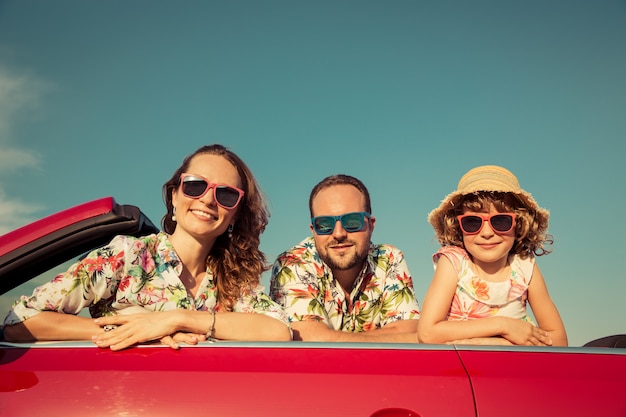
x,y
527,381
234,379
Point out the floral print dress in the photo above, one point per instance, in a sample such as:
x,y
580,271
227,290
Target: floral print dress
x,y
477,298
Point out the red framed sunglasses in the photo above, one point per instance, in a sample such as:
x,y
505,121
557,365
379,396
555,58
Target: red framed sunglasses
x,y
471,224
196,186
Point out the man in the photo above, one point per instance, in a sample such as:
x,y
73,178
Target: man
x,y
337,285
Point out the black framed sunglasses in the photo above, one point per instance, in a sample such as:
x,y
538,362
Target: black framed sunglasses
x,y
351,222
196,186
471,224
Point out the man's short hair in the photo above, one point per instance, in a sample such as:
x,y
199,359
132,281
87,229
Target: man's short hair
x,y
340,179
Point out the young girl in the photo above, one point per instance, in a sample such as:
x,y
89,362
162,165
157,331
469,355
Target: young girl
x,y
490,231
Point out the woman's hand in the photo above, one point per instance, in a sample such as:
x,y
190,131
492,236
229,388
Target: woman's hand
x,y
137,328
181,337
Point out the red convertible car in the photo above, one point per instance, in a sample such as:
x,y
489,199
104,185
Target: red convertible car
x,y
276,379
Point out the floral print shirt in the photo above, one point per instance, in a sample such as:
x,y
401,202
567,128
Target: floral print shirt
x,y
132,275
382,293
476,298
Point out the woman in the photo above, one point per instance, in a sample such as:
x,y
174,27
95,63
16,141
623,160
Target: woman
x,y
199,277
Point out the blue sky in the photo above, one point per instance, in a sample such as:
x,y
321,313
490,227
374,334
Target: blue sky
x,y
105,98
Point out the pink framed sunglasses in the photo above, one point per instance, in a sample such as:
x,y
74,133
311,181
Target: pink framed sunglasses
x,y
196,186
471,224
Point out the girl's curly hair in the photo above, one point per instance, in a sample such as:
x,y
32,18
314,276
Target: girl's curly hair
x,y
531,226
236,261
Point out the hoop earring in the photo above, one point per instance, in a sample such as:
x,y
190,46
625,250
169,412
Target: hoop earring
x,y
173,213
230,231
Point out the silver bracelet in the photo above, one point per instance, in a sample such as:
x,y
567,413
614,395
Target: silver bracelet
x,y
209,334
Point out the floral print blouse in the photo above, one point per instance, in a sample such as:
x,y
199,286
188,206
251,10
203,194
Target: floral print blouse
x,y
476,298
130,275
383,292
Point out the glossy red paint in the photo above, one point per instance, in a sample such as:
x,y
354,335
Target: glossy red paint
x,y
558,382
235,379
57,221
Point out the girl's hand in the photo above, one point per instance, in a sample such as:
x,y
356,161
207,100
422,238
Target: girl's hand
x,y
481,341
520,332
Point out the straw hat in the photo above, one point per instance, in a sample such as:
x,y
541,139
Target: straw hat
x,y
484,178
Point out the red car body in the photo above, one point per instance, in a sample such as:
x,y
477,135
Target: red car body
x,y
286,378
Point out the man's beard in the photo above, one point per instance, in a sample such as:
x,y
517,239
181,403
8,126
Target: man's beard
x,y
343,263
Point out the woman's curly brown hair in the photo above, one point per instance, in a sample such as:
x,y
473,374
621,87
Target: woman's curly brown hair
x,y
236,262
531,226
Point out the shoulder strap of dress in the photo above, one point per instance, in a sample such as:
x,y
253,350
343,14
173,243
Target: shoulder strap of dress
x,y
454,254
523,267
